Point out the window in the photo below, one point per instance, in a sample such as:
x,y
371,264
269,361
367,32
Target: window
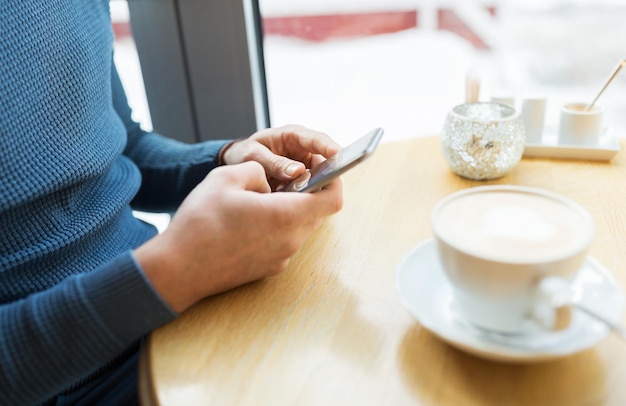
x,y
346,67
128,65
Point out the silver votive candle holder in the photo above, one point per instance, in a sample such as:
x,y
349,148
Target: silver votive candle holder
x,y
483,140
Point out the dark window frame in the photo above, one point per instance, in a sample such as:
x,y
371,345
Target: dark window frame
x,y
202,65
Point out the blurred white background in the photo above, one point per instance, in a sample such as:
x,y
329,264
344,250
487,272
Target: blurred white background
x,y
345,83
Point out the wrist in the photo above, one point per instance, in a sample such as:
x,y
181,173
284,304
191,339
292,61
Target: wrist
x,y
221,160
162,268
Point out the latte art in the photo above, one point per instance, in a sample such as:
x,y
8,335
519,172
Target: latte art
x,y
517,223
512,226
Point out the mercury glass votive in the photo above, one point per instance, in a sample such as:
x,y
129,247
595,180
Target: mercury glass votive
x,y
482,140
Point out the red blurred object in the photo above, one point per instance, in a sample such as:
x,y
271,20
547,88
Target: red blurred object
x,y
320,28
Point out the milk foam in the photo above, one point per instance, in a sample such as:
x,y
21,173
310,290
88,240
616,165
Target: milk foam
x,y
516,223
512,226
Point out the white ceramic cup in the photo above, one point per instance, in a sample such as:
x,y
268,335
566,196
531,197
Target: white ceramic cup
x,y
577,126
533,116
501,247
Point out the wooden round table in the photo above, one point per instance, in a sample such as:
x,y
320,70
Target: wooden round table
x,y
332,328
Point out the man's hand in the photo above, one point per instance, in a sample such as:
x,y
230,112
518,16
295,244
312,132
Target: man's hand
x,y
284,152
231,230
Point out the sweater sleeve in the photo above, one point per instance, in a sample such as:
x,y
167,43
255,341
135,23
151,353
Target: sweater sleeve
x,y
170,169
53,339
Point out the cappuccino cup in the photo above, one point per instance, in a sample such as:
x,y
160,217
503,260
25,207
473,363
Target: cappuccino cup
x,y
503,247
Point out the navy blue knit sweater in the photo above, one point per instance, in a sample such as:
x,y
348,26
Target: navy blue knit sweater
x,y
72,298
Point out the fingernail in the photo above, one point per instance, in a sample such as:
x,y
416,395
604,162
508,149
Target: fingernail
x,y
291,169
301,184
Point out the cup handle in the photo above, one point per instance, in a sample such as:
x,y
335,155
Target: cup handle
x,y
553,304
563,317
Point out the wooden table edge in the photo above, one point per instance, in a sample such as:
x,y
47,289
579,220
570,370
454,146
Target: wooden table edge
x,y
145,382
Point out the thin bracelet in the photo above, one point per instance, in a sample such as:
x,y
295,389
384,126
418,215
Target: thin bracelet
x,y
220,156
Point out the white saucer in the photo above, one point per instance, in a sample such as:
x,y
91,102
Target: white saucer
x,y
427,294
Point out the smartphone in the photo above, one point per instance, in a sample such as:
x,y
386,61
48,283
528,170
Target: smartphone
x,y
324,173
